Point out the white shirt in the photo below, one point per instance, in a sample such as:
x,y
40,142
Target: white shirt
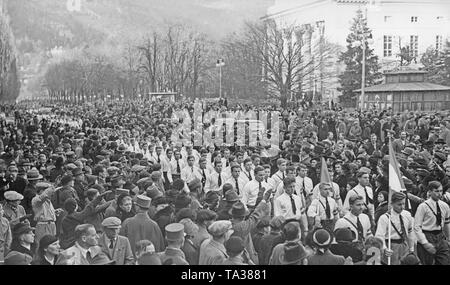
x,y
383,225
189,173
247,175
241,181
363,218
173,166
308,183
250,192
282,206
318,206
359,190
212,182
426,220
278,177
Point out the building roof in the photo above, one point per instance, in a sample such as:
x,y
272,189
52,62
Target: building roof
x,y
409,71
406,86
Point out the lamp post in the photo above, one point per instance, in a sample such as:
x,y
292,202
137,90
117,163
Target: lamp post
x,y
220,62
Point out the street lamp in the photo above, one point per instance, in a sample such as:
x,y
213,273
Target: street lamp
x,y
220,62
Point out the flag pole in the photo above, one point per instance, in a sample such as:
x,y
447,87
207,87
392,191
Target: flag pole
x,y
389,208
389,238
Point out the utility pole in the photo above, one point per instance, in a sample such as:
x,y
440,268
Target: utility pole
x,y
220,62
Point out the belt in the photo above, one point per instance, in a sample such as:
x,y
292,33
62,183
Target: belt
x,y
45,222
397,241
437,232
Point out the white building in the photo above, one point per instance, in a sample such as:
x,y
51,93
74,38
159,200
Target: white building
x,y
419,24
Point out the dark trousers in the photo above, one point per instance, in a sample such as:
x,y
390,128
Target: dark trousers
x,y
166,181
442,255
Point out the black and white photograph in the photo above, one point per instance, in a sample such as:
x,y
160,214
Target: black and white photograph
x,y
224,132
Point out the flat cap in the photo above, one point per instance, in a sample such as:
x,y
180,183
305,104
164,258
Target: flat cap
x,y
137,168
13,196
219,228
397,196
112,222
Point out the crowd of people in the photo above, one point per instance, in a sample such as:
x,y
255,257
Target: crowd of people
x,y
98,183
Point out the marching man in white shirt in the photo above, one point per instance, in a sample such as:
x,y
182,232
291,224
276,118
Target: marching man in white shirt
x,y
254,190
402,234
290,205
215,180
306,184
323,211
355,220
363,190
176,165
236,179
190,172
248,172
280,174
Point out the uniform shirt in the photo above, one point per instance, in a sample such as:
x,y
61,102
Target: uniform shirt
x,y
359,190
271,182
250,192
212,181
189,173
241,181
383,225
363,218
278,177
43,207
425,220
282,206
173,166
308,183
280,190
247,174
13,215
318,208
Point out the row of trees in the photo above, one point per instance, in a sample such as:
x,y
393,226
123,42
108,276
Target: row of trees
x,y
437,63
9,79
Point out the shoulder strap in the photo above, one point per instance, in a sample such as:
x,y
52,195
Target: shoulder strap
x,y
395,228
351,223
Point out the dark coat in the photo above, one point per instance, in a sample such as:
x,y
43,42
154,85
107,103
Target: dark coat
x,y
380,210
265,247
191,252
346,250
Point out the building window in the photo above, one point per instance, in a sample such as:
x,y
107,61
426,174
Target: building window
x,y
387,46
414,19
439,18
438,43
387,19
414,46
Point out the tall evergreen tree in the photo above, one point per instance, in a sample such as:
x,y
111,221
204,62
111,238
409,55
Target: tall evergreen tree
x,y
9,79
437,63
351,78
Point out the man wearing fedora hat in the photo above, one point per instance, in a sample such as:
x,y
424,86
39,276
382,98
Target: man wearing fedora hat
x,y
322,240
212,251
175,240
13,211
115,246
402,224
141,227
231,197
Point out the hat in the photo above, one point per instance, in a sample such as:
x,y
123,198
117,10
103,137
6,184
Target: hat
x,y
71,166
205,215
70,205
116,179
185,213
293,253
410,259
21,228
112,223
321,238
157,175
344,234
13,168
182,201
190,228
77,171
66,179
47,240
174,232
440,155
219,228
238,210
422,172
33,174
231,196
149,258
143,201
120,191
17,258
234,245
70,153
211,197
153,192
178,184
440,141
397,196
408,151
277,222
160,201
137,168
195,183
13,196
